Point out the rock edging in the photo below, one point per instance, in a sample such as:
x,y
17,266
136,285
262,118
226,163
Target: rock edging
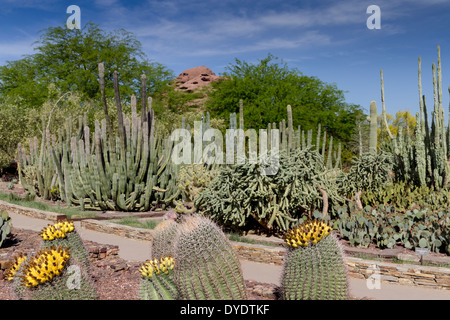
x,y
30,212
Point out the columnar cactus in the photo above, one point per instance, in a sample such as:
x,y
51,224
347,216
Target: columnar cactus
x,y
96,170
314,268
207,267
423,162
373,127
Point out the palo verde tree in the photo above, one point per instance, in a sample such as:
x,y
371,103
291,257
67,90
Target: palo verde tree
x,y
69,59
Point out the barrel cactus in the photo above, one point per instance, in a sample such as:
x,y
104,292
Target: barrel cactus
x,y
52,275
314,268
157,281
75,283
164,237
14,273
207,266
63,233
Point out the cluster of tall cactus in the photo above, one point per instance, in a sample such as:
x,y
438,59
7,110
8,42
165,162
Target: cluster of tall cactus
x,y
291,139
205,265
422,161
128,171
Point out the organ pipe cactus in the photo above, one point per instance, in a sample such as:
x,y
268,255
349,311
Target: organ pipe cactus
x,y
314,268
423,162
96,170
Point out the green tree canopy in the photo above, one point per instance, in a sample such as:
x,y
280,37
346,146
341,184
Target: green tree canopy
x,y
268,87
69,59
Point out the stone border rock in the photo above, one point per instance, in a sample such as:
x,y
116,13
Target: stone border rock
x,y
117,229
30,212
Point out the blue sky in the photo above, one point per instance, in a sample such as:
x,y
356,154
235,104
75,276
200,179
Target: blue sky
x,y
326,39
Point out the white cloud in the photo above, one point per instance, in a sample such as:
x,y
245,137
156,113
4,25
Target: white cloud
x,y
15,50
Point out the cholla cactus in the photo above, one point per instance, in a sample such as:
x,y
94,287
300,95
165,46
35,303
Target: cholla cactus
x,y
157,280
314,268
192,180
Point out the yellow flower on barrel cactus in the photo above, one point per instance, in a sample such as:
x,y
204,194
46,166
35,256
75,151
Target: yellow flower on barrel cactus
x,y
162,286
47,264
309,232
12,270
163,265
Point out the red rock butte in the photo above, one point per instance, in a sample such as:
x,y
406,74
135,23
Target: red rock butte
x,y
192,79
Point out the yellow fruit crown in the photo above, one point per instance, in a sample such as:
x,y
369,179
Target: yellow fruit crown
x,y
157,266
47,264
309,232
58,230
11,271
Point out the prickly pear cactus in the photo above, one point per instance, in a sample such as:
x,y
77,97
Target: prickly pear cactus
x,y
314,268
